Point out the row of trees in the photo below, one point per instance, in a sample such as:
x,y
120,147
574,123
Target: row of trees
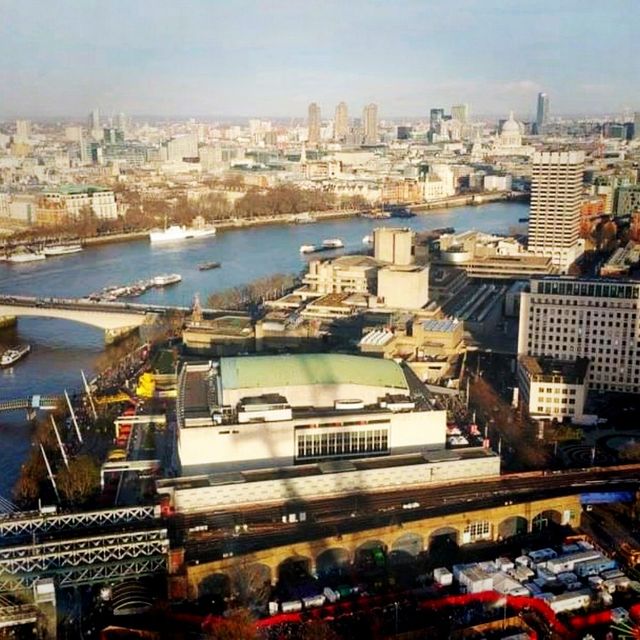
x,y
250,296
151,211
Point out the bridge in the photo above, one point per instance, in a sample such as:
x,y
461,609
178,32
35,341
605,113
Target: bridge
x,y
44,403
116,319
114,544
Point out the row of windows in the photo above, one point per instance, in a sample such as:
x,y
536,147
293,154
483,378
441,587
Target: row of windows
x,y
551,400
317,445
589,289
557,410
478,530
596,315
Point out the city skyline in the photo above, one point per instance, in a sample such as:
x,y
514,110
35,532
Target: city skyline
x,y
272,60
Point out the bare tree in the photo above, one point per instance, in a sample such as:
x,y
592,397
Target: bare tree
x,y
80,480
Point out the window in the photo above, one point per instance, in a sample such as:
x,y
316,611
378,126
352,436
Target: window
x,y
318,445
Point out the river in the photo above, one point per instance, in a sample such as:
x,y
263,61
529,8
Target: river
x,y
60,349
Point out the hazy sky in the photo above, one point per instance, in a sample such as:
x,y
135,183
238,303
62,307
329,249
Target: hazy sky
x,y
273,57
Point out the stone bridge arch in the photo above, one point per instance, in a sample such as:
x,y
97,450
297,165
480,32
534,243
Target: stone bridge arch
x,y
546,519
215,585
295,567
406,548
333,562
512,526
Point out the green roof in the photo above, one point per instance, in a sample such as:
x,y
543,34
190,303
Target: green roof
x,y
74,189
317,368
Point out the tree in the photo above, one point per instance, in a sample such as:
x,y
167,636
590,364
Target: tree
x,y
238,625
32,474
630,452
80,480
317,630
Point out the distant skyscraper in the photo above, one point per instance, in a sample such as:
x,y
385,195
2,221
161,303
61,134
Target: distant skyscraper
x,y
314,124
636,125
542,114
23,130
341,124
460,112
370,123
556,194
121,123
94,119
435,117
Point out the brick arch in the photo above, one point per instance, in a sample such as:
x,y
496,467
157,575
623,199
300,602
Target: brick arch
x,y
215,585
512,526
545,519
333,561
295,564
406,548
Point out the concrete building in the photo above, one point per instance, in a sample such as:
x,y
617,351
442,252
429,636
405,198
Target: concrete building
x,y
393,245
628,200
570,318
370,123
552,388
497,183
313,124
482,255
181,147
274,411
556,196
341,122
347,274
403,287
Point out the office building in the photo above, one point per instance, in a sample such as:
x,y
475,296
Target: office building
x,y
313,124
71,201
636,125
370,123
542,112
181,147
436,116
595,318
460,112
551,388
556,196
628,200
23,130
341,124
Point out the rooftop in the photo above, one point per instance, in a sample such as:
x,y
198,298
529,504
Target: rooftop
x,y
447,325
306,369
567,371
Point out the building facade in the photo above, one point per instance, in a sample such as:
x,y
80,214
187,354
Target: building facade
x,y
556,197
70,202
341,123
370,123
598,319
313,124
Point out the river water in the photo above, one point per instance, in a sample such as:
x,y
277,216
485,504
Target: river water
x,y
60,349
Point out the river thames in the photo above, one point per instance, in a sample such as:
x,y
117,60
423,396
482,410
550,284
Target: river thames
x,y
61,349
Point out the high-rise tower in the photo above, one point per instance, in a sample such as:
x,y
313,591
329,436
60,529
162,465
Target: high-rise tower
x,y
556,193
370,123
542,113
314,124
341,123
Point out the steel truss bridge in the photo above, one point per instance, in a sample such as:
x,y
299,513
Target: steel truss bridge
x,y
35,523
36,545
85,560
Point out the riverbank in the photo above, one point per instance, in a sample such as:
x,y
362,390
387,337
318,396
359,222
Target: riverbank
x,y
289,218
471,200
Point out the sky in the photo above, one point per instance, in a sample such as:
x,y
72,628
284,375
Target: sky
x,y
271,58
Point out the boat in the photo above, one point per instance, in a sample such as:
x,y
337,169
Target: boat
x,y
13,355
62,249
402,213
308,248
205,266
166,279
176,233
27,256
332,243
523,219
368,239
